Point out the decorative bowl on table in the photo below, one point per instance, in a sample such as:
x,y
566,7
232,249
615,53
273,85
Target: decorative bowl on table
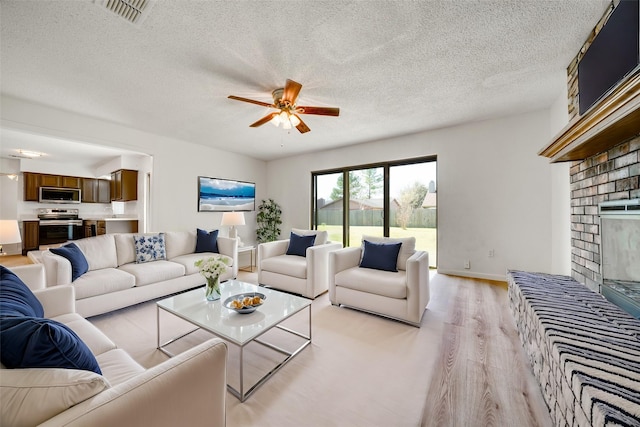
x,y
245,303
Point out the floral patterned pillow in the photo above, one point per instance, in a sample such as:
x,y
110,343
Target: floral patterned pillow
x,y
149,247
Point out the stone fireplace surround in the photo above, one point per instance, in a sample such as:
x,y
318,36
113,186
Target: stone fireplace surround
x,y
610,175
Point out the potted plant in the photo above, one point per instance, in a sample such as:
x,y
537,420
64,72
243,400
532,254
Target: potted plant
x,y
269,221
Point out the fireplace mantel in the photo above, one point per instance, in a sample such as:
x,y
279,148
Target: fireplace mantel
x,y
613,120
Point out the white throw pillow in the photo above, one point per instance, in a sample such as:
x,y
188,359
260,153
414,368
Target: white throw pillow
x,y
31,396
321,236
407,249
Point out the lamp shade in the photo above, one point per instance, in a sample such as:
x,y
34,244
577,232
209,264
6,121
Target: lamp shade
x,y
9,231
232,218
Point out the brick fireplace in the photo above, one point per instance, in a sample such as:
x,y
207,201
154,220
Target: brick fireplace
x,y
610,175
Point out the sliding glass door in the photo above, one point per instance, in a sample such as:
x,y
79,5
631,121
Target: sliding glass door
x,y
394,199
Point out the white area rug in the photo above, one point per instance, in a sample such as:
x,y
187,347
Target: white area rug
x,y
360,370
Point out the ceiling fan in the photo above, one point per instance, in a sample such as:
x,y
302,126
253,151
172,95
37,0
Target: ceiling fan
x,y
284,100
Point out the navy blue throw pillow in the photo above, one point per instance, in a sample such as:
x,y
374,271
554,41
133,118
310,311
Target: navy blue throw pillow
x,y
381,256
72,252
31,342
298,244
16,299
206,241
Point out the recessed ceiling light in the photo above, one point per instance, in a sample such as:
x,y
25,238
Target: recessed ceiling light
x,y
30,154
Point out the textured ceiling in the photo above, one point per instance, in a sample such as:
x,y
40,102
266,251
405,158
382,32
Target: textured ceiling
x,y
392,67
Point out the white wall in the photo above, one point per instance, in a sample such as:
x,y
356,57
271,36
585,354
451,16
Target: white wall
x,y
560,194
176,164
493,190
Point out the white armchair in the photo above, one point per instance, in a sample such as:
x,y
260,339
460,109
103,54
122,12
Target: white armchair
x,y
401,295
304,275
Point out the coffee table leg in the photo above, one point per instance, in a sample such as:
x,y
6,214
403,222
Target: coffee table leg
x,y
242,397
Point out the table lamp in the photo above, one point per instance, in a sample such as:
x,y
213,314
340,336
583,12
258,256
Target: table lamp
x,y
232,219
9,233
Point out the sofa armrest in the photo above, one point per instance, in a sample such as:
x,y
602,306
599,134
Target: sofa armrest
x,y
57,300
271,249
32,275
57,269
341,260
229,247
417,284
318,267
186,390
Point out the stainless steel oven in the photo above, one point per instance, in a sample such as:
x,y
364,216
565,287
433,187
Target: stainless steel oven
x,y
59,226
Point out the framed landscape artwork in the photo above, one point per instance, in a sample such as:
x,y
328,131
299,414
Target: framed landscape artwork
x,y
225,195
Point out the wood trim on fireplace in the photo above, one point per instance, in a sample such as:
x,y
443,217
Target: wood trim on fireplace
x,y
614,119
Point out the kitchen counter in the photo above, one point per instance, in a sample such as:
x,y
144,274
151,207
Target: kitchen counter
x,y
109,218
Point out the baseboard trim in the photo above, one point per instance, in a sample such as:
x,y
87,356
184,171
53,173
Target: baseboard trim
x,y
463,273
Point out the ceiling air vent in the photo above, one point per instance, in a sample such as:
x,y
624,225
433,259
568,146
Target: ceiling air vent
x,y
134,11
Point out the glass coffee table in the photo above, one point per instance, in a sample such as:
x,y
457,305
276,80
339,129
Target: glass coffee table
x,y
236,328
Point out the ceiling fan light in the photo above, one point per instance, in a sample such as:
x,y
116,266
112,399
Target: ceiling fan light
x,y
286,124
295,121
284,116
275,120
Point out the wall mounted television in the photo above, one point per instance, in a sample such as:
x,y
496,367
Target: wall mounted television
x,y
225,195
613,55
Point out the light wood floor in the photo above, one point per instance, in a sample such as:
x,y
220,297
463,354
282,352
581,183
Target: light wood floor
x,y
481,376
464,367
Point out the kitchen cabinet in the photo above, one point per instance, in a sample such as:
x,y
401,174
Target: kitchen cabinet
x,y
104,191
33,182
96,190
124,185
70,182
94,227
30,236
50,180
31,186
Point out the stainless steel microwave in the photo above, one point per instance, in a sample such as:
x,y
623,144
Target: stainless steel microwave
x,y
60,195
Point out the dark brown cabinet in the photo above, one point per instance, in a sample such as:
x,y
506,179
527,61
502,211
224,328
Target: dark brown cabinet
x,y
93,190
94,227
30,236
50,180
31,186
96,190
70,182
124,185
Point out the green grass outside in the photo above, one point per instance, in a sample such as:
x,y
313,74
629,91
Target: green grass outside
x,y
426,238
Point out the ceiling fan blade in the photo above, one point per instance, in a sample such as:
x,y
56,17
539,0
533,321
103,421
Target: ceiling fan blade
x,y
321,111
302,126
264,120
291,91
252,101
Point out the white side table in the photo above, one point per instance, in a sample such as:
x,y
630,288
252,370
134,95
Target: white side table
x,y
242,250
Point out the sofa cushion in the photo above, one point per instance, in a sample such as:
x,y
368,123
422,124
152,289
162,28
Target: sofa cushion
x,y
16,299
321,236
153,272
380,256
33,342
117,366
100,251
298,244
407,249
383,283
149,247
31,396
72,252
179,243
288,265
102,281
125,247
206,241
93,337
189,260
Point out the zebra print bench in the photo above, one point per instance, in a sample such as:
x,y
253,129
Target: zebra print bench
x,y
584,350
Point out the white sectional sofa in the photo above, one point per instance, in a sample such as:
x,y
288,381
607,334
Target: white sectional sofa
x,y
114,280
188,390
